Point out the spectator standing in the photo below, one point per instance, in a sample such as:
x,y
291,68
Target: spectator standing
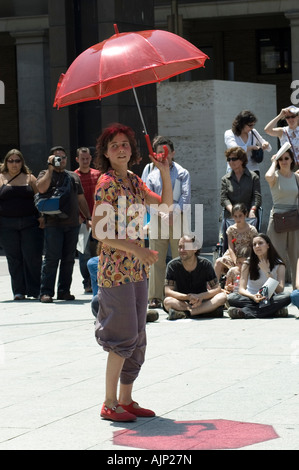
x,y
181,186
284,187
21,234
89,177
240,184
289,133
61,234
244,135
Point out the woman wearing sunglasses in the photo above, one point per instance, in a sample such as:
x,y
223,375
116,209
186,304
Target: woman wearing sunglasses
x,y
21,236
240,184
284,184
289,133
244,135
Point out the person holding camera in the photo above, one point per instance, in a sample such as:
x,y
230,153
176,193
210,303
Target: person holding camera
x,y
61,230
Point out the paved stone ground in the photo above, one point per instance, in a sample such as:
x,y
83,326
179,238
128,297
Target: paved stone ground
x,y
199,377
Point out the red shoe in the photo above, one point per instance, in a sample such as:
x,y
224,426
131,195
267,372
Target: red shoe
x,y
140,412
110,413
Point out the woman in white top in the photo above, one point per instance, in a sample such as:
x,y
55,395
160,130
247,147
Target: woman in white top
x,y
289,133
263,264
244,135
284,184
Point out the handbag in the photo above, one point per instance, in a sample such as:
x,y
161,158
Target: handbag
x,y
287,221
57,200
257,155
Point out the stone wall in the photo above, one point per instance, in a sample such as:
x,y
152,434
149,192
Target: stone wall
x,y
195,115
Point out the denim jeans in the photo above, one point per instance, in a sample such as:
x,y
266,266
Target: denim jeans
x,y
92,266
90,252
60,245
295,297
22,241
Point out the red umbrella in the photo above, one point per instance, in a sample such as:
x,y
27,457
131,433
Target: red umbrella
x,y
126,61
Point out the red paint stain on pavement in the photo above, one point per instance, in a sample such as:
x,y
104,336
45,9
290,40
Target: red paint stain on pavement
x,y
164,434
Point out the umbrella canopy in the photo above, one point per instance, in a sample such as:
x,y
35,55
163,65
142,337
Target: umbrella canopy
x,y
124,61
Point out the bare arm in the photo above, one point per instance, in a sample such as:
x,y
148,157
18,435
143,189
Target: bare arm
x,y
166,196
99,231
231,249
271,128
44,182
32,182
84,209
270,176
281,278
169,292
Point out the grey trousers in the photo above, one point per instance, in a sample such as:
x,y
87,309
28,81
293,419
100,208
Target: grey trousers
x,y
120,325
287,246
252,310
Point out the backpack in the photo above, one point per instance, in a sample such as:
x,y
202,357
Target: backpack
x,y
57,200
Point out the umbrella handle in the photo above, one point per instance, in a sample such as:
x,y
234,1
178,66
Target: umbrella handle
x,y
157,156
149,145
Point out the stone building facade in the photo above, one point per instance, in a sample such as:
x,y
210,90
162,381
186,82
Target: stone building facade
x,y
253,46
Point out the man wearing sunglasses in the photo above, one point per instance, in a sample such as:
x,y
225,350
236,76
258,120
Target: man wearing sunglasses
x,y
61,233
289,133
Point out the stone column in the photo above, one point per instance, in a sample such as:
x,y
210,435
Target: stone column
x,y
32,63
294,24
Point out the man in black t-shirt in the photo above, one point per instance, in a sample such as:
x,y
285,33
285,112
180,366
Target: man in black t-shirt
x,y
191,285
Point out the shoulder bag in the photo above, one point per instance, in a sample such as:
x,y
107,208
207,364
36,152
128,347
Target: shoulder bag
x,y
257,155
57,200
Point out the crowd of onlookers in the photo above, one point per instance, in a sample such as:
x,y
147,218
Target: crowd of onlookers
x,y
93,212
41,248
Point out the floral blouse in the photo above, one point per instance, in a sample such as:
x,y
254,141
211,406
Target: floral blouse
x,y
126,214
241,239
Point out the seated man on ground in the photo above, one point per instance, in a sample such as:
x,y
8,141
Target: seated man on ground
x,y
191,285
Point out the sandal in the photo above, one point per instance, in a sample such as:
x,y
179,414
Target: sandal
x,y
155,303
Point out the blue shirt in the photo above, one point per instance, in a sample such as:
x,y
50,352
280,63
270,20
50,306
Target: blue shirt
x,y
181,185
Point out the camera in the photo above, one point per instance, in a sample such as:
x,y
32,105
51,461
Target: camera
x,y
57,161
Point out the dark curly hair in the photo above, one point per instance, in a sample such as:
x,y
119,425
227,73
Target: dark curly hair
x,y
101,162
240,121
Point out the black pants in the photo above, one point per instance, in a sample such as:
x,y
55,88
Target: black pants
x,y
251,309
